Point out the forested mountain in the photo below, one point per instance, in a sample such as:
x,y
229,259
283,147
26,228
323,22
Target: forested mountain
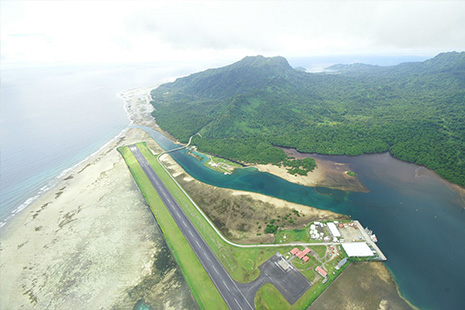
x,y
416,111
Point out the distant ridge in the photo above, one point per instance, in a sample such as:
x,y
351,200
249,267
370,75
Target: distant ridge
x,y
443,61
414,110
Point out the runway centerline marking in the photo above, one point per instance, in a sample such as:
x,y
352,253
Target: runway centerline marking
x,y
202,250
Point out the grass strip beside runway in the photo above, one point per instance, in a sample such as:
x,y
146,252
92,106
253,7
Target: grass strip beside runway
x,y
241,263
268,297
203,289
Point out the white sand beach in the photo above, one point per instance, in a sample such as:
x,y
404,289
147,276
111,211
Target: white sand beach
x,y
81,243
90,241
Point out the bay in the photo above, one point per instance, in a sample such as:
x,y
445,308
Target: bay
x,y
418,217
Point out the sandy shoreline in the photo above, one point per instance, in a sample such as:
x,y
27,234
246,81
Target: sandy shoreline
x,y
74,222
326,174
247,210
74,246
90,241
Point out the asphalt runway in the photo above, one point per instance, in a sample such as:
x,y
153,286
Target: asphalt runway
x,y
227,287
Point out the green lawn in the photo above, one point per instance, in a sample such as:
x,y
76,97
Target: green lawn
x,y
320,250
317,288
307,268
241,263
220,164
202,287
268,297
287,235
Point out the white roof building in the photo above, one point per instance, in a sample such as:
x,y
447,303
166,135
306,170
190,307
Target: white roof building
x,y
334,231
357,249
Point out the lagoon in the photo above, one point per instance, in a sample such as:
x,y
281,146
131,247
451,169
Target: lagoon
x,y
418,217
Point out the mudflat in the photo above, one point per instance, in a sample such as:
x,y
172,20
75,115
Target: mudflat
x,y
327,173
362,286
241,215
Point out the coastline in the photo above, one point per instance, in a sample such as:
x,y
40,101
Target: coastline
x,y
58,246
239,234
378,290
326,174
56,180
73,246
256,206
137,106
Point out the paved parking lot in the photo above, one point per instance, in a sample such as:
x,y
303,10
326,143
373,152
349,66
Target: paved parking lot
x,y
284,276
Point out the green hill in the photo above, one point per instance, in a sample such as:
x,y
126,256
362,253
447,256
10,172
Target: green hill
x,y
416,111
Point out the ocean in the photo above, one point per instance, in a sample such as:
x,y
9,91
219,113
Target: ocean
x,y
52,118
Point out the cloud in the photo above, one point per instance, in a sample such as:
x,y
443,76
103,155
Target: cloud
x,y
421,25
202,25
124,31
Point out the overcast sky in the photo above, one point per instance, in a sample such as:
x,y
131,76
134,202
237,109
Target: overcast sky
x,y
84,31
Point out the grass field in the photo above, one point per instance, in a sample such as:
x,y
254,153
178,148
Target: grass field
x,y
286,235
221,165
241,263
317,288
200,283
268,297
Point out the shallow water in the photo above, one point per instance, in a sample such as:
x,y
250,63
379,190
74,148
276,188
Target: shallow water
x,y
418,218
54,117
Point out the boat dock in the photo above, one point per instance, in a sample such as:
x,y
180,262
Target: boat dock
x,y
369,241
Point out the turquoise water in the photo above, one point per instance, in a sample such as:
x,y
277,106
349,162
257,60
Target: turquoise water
x,y
418,218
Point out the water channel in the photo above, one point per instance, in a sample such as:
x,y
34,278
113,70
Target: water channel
x,y
418,217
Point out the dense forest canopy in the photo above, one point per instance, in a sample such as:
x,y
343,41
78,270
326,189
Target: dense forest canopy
x,y
416,111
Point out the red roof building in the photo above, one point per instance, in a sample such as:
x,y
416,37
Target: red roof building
x,y
303,253
305,259
321,271
295,251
